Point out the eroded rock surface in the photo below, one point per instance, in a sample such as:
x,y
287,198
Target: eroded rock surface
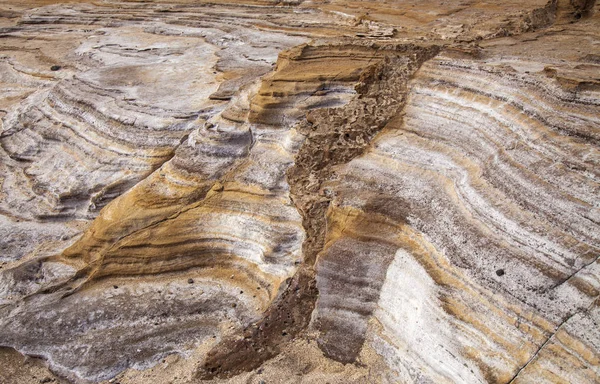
x,y
263,191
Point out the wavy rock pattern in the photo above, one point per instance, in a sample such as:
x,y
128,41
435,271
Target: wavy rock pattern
x,y
341,191
485,231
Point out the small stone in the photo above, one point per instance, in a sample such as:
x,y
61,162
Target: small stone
x,y
190,281
500,272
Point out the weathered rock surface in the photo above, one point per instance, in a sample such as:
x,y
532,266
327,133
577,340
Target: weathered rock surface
x,y
266,191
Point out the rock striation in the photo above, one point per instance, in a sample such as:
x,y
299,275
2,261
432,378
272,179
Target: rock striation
x,y
266,191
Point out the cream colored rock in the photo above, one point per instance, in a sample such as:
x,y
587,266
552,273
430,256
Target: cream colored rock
x,y
348,192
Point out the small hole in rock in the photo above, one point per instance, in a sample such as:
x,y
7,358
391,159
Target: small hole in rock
x,y
500,272
55,68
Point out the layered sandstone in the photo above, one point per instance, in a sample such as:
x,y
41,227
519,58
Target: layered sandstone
x,y
300,191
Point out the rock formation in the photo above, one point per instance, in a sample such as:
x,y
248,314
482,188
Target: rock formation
x,y
300,191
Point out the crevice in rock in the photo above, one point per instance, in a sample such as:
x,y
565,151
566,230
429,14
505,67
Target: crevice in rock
x,y
572,275
537,352
548,340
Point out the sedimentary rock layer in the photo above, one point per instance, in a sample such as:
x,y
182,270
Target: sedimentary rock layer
x,y
300,191
474,210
